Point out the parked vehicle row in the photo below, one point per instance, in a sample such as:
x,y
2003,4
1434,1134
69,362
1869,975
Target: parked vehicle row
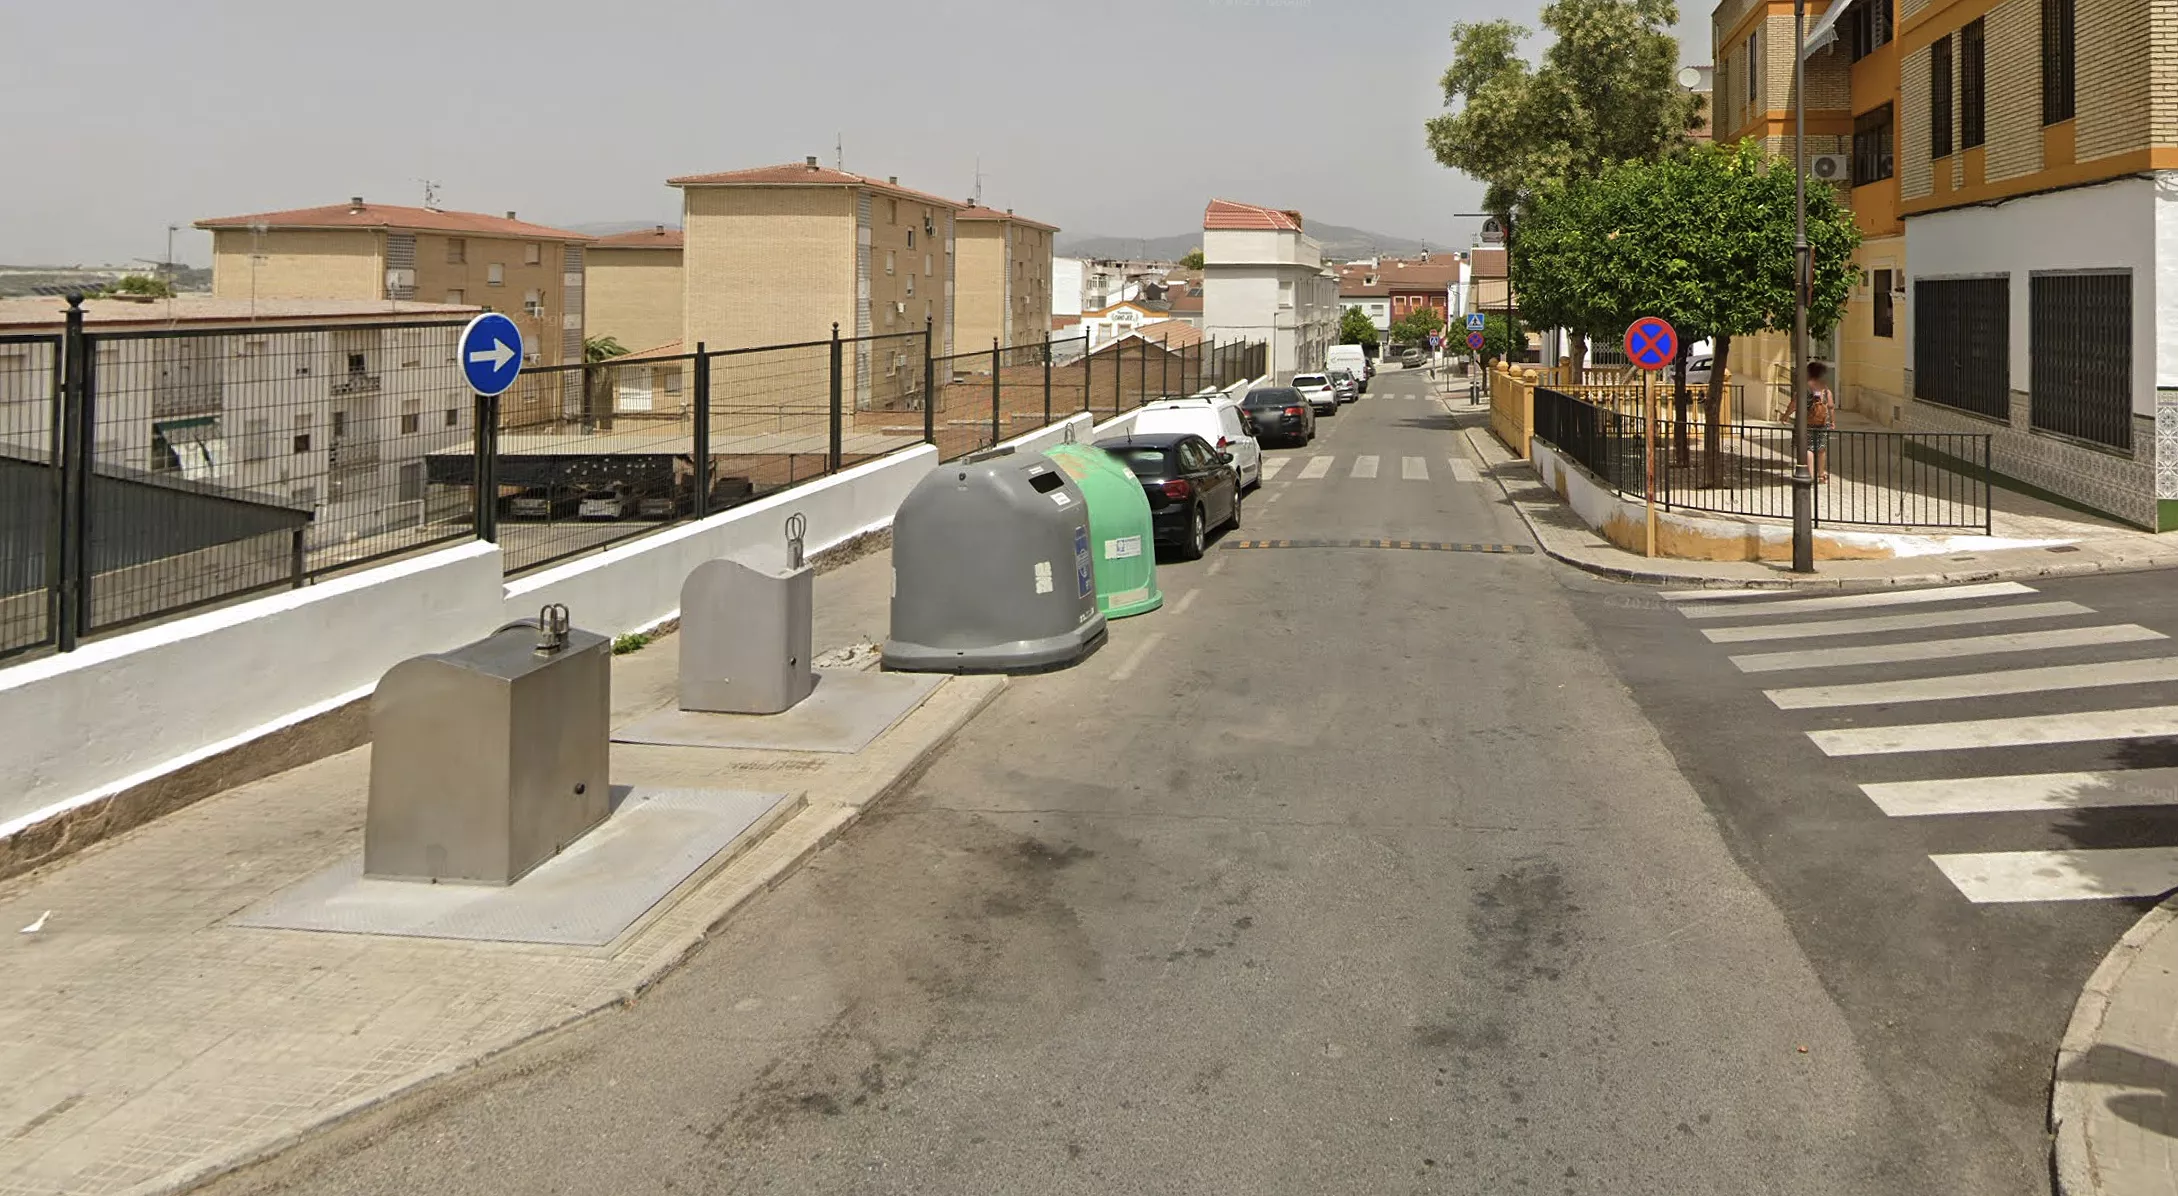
x,y
1192,487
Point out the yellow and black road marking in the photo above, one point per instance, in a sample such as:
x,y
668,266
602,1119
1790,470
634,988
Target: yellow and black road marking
x,y
1406,545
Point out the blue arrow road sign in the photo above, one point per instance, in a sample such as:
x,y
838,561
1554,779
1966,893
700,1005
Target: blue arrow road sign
x,y
1474,321
491,353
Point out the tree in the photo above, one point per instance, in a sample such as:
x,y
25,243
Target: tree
x,y
1356,328
1502,336
1417,326
1192,260
603,348
141,284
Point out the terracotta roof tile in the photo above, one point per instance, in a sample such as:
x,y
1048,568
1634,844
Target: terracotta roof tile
x,y
394,216
801,174
641,238
978,212
1231,214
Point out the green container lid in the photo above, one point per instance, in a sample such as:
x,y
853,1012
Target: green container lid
x,y
1122,544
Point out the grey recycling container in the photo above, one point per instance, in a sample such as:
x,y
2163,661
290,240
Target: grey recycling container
x,y
991,570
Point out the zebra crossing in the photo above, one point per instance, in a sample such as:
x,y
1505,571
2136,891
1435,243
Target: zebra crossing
x,y
1370,466
1970,645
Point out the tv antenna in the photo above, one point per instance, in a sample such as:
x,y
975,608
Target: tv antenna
x,y
431,193
979,180
839,152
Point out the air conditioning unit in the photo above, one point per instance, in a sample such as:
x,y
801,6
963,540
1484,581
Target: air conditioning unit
x,y
400,279
900,307
930,227
1828,168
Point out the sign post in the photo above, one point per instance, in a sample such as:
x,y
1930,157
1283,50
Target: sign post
x,y
490,352
1651,344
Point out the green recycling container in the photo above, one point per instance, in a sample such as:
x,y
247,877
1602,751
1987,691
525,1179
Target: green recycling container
x,y
1123,546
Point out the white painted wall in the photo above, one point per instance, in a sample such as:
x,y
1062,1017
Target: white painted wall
x,y
2114,226
2166,279
1069,285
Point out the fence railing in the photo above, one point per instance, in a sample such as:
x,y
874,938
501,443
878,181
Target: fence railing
x,y
1876,478
148,472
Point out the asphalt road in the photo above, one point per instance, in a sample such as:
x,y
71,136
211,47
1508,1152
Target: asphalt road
x,y
1350,871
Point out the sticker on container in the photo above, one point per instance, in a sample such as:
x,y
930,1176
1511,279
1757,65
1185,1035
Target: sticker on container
x,y
1059,499
1082,571
1043,577
1122,548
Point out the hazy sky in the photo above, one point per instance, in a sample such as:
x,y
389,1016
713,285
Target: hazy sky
x,y
1122,117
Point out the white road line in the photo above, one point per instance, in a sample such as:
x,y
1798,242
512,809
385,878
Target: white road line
x,y
2028,791
1995,589
1719,595
1316,468
1186,600
2005,876
1413,469
1869,626
1134,659
1974,645
1274,498
1272,466
1364,467
1215,567
1463,471
2034,729
1976,685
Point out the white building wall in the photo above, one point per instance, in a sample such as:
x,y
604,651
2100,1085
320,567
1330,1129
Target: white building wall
x,y
1069,285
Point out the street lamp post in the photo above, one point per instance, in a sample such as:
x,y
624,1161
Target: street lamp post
x,y
1803,478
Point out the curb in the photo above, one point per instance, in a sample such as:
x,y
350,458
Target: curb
x,y
2072,1155
825,822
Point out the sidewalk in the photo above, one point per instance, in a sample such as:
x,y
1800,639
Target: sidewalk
x,y
148,1045
2114,1104
2090,545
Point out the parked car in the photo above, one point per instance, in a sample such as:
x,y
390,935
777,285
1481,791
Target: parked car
x,y
1698,367
608,502
1191,486
1345,385
542,502
1412,357
1316,388
1216,419
1278,412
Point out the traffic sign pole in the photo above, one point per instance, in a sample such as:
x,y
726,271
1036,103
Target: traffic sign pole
x,y
1651,344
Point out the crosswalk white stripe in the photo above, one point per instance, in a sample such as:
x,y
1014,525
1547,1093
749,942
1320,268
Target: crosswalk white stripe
x,y
1718,595
1995,589
1878,623
1946,649
1364,467
1463,471
1413,469
2011,876
2027,791
1316,468
1272,466
1976,685
2034,729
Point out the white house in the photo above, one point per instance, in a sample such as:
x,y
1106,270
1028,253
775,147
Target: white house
x,y
1264,280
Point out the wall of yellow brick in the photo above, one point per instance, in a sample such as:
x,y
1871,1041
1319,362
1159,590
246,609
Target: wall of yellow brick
x,y
979,314
1871,368
1916,173
439,281
2114,39
1031,315
767,265
919,274
2163,67
634,296
2014,109
298,264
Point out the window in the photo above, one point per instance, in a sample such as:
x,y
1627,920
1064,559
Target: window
x,y
532,254
930,267
1867,26
1962,344
1885,313
495,275
411,417
457,251
533,303
888,261
302,434
1752,72
2080,356
453,417
911,238
358,363
911,284
1872,146
455,297
892,211
412,482
1973,86
1939,98
2057,45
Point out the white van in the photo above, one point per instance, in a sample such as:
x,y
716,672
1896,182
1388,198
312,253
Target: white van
x,y
1213,417
1351,358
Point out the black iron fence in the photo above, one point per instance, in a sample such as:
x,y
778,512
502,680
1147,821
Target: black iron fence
x,y
1874,478
145,472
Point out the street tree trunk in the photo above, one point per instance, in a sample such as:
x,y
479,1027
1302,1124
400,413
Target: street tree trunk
x,y
1682,400
1712,409
1577,351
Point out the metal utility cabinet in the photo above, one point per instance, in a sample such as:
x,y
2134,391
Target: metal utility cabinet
x,y
490,759
992,569
746,631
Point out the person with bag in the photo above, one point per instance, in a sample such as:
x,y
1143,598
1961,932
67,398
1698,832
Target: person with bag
x,y
1822,417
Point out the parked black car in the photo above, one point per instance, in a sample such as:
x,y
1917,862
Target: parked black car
x,y
1280,413
1191,486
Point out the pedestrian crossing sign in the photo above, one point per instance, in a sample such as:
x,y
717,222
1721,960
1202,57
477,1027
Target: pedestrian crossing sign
x,y
1474,321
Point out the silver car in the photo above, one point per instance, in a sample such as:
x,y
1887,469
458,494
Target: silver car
x,y
1319,392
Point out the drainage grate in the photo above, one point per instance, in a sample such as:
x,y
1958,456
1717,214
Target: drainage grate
x,y
1408,545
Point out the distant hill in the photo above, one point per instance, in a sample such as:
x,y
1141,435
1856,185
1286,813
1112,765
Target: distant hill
x,y
1338,241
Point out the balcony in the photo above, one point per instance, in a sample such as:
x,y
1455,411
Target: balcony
x,y
356,384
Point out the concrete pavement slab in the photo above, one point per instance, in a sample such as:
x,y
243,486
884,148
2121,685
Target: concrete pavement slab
x,y
2112,1105
848,709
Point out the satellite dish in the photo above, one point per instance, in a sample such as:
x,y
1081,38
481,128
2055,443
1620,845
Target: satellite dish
x,y
1690,77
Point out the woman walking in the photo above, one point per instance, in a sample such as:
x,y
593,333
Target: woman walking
x,y
1822,416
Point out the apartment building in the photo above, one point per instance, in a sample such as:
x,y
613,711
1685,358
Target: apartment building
x,y
1362,285
635,288
1420,285
1264,280
385,252
2011,166
1004,275
779,254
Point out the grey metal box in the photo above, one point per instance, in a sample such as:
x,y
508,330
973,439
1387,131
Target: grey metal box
x,y
991,569
745,636
488,760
